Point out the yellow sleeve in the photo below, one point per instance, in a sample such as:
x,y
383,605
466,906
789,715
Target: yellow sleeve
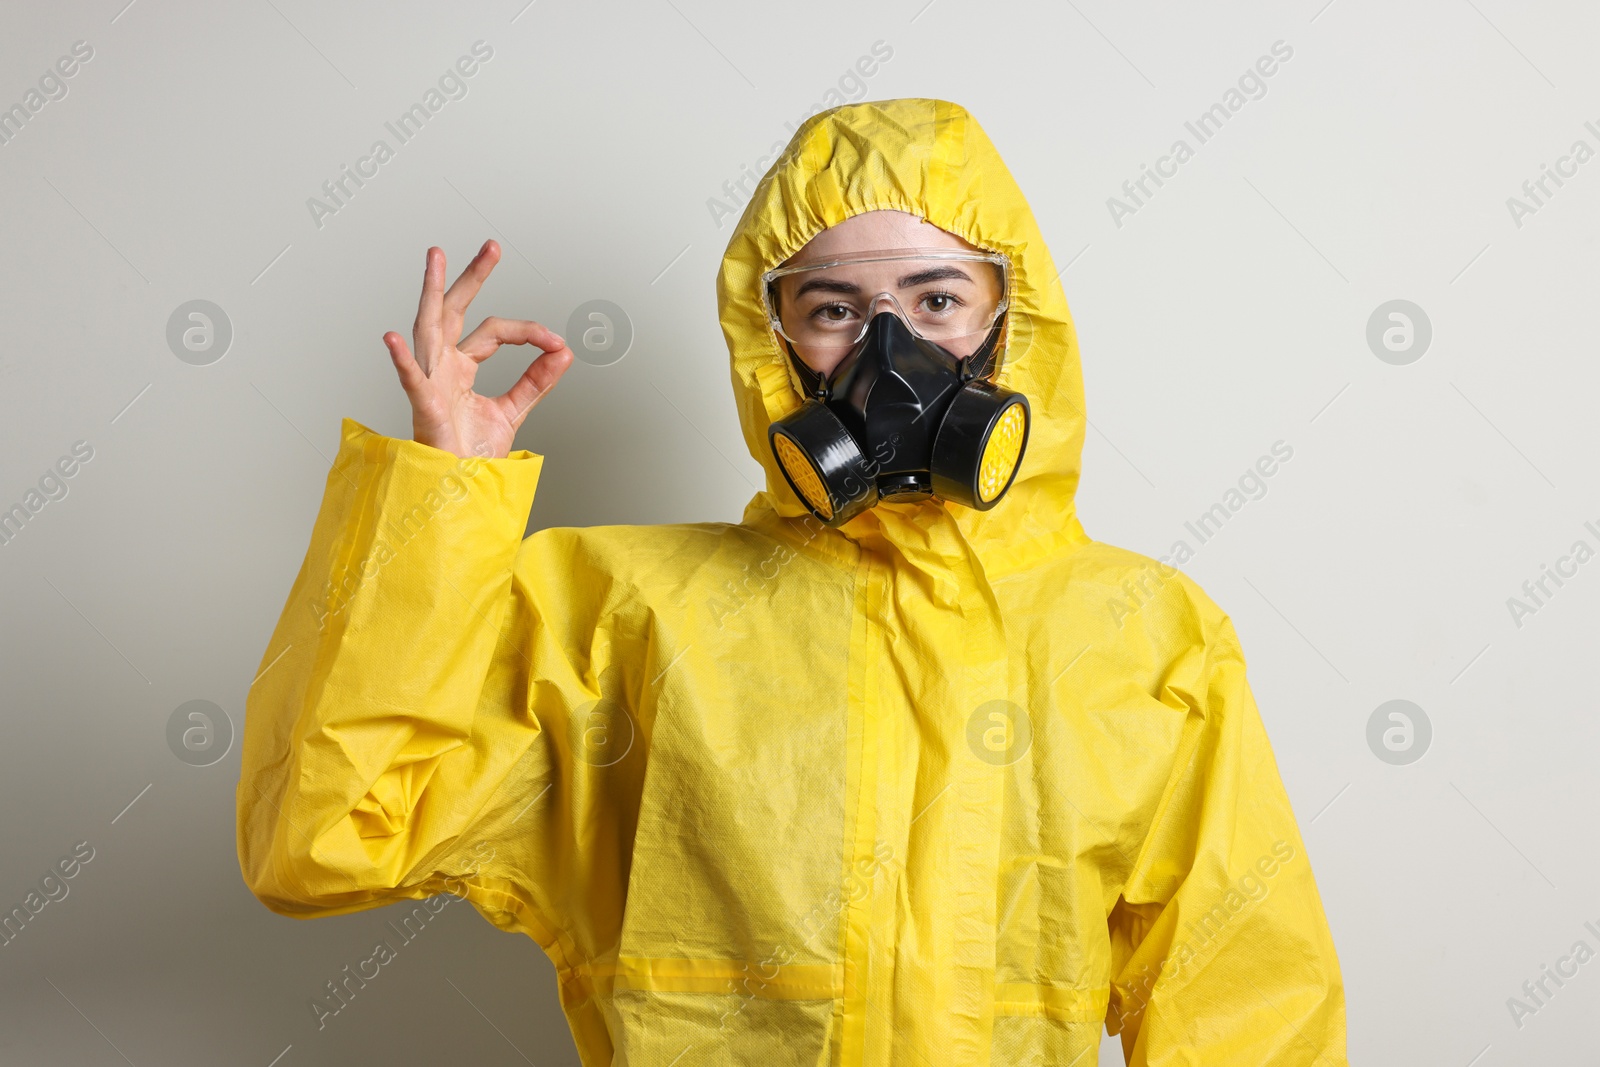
x,y
390,736
1221,950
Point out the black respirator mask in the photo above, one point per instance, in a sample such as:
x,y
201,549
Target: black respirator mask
x,y
901,418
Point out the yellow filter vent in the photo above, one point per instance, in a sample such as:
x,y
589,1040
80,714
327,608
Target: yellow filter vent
x,y
1001,451
803,475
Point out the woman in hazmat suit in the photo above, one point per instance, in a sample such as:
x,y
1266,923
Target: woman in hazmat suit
x,y
902,768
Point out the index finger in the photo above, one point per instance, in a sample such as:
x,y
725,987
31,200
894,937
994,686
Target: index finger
x,y
426,331
494,331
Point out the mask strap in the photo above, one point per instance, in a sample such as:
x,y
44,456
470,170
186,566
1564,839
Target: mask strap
x,y
981,363
815,387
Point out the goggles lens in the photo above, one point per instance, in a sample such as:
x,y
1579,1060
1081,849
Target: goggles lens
x,y
941,296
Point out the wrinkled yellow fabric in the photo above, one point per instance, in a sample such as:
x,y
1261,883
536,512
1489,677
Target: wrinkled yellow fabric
x,y
906,792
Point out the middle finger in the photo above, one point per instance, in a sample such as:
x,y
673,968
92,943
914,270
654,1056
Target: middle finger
x,y
466,287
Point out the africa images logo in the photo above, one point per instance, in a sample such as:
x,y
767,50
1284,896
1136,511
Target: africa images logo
x,y
52,86
452,85
1252,85
850,87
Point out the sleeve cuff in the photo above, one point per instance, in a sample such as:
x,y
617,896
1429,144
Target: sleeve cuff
x,y
511,481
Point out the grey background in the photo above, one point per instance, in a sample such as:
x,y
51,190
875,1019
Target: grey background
x,y
1228,313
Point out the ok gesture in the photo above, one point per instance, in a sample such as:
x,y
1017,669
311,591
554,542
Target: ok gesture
x,y
445,411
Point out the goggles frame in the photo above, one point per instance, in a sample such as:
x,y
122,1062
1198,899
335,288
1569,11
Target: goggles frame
x,y
997,259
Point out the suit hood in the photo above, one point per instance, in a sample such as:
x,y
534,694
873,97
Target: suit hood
x,y
928,158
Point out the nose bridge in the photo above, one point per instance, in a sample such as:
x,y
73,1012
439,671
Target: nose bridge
x,y
886,301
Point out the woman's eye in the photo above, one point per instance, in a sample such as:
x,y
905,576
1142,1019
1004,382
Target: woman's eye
x,y
939,303
833,312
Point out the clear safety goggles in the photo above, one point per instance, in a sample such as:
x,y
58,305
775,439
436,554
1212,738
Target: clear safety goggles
x,y
950,297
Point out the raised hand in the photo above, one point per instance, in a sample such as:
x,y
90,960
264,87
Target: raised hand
x,y
445,411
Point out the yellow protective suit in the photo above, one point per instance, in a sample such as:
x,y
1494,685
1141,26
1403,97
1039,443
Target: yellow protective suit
x,y
939,787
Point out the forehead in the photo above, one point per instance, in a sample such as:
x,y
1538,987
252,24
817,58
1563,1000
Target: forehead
x,y
872,230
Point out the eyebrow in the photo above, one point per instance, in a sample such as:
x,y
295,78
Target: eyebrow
x,y
931,274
